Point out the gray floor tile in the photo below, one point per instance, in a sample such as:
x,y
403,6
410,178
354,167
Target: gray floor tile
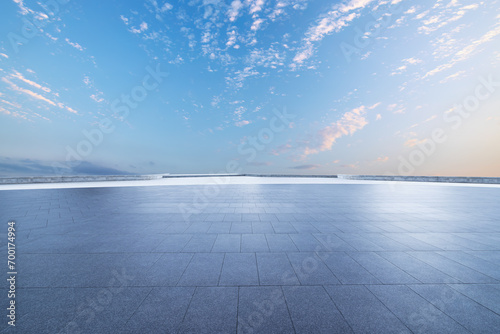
x,y
161,311
471,315
173,243
313,311
311,270
415,312
363,311
484,294
347,270
275,269
203,270
280,243
382,269
200,243
422,271
227,243
254,243
239,269
454,269
263,310
212,310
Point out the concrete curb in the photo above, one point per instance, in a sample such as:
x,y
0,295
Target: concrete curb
x,y
447,179
64,179
91,178
254,175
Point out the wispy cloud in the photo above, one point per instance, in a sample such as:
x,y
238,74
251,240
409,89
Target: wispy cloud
x,y
32,94
15,87
382,159
75,45
340,16
466,52
414,142
348,124
242,123
19,76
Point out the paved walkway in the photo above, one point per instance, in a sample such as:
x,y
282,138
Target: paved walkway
x,y
255,258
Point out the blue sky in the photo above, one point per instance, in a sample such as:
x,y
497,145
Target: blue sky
x,y
256,86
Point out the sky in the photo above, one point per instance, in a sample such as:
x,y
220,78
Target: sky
x,y
381,87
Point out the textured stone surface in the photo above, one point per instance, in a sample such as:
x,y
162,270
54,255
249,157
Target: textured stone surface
x,y
268,258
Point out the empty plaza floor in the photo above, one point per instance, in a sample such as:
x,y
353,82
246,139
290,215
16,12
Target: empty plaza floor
x,y
351,257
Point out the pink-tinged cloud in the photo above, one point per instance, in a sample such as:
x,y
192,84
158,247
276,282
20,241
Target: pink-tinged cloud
x,y
241,123
353,166
281,149
414,141
382,159
15,87
19,76
350,122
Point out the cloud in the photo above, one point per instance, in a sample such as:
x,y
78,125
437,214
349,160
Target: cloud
x,y
88,168
124,19
379,117
142,28
352,166
19,76
23,9
256,6
443,15
71,110
281,149
382,159
242,123
335,20
433,117
32,94
348,124
97,98
453,76
256,24
414,142
306,167
14,87
75,45
407,62
29,167
4,55
232,38
467,51
396,108
234,10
